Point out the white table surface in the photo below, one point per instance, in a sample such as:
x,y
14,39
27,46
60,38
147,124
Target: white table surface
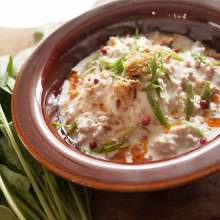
x,y
33,13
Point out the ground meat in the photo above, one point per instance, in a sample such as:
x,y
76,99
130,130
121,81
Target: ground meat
x,y
178,139
91,125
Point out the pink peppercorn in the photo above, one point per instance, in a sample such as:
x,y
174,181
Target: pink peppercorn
x,y
146,121
203,140
204,104
176,50
103,51
93,145
96,81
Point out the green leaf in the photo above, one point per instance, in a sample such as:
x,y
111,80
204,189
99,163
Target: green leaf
x,y
78,202
3,70
10,84
189,101
53,188
27,169
6,213
158,112
8,155
207,93
38,36
10,199
10,67
5,101
18,181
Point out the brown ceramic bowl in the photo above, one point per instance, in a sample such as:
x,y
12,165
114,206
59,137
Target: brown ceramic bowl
x,y
52,61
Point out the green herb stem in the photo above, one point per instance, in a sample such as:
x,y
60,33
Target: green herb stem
x,y
78,203
158,112
112,146
207,93
25,165
10,200
56,198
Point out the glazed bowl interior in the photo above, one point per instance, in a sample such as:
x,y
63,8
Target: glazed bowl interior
x,y
49,66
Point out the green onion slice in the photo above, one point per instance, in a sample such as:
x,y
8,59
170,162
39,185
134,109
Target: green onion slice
x,y
207,93
112,146
189,101
199,57
198,132
158,112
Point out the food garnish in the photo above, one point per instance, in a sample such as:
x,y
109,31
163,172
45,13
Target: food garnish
x,y
189,101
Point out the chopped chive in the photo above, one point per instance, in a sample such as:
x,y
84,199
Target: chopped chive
x,y
57,124
72,127
116,66
199,57
189,101
215,63
137,34
153,69
176,56
113,146
125,133
207,93
158,112
198,132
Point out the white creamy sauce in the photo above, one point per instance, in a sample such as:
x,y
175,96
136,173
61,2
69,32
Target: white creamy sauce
x,y
105,107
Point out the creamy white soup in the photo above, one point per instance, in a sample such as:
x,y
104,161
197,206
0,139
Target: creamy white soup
x,y
142,98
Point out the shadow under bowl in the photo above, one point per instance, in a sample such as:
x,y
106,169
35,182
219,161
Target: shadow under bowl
x,y
50,64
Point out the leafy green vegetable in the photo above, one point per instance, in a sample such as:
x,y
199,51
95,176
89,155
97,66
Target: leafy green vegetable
x,y
24,164
207,93
5,100
6,213
38,36
10,199
18,181
6,69
8,157
30,190
10,67
189,101
158,112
